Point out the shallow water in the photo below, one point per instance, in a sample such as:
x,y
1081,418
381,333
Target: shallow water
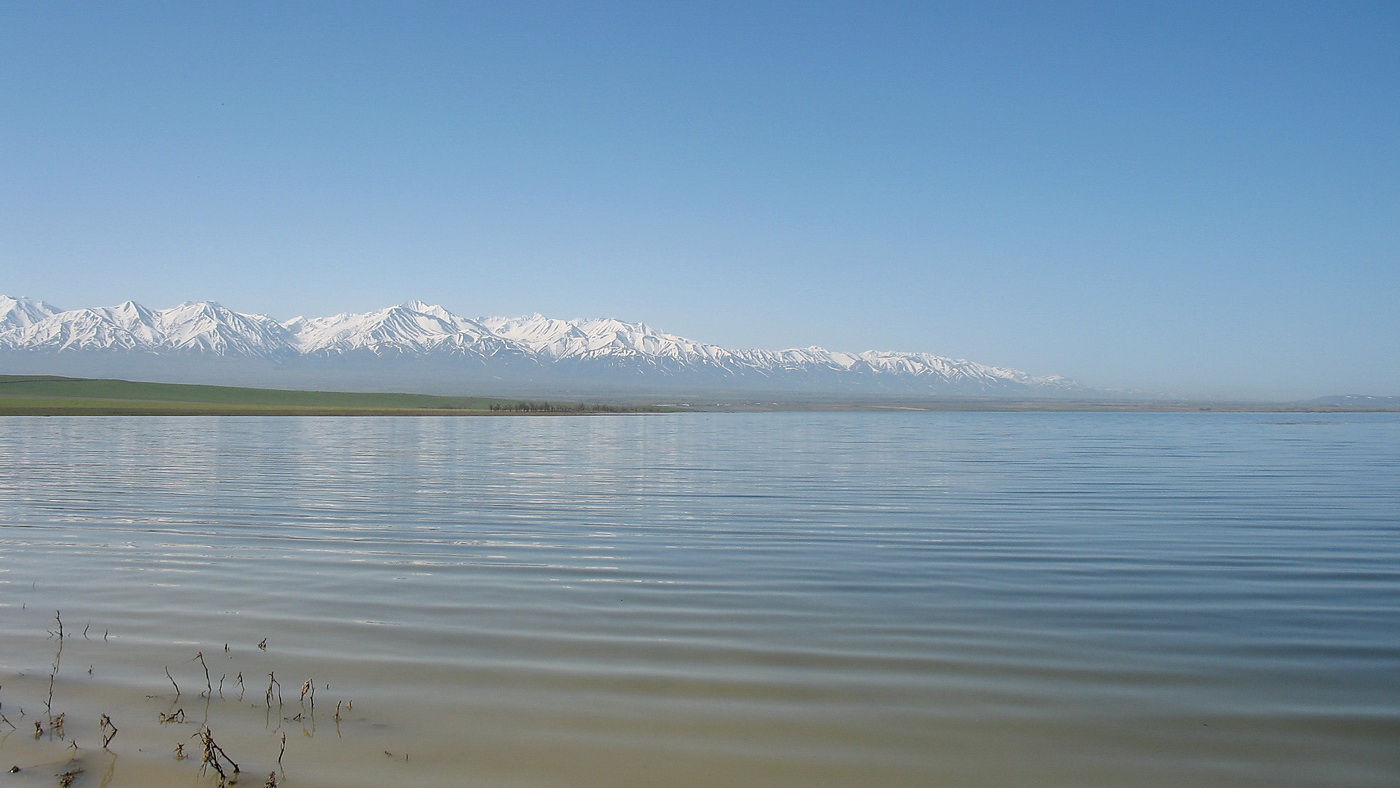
x,y
920,599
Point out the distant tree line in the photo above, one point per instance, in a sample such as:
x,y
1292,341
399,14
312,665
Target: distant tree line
x,y
565,407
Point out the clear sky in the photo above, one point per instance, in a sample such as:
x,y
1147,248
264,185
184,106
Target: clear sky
x,y
1194,197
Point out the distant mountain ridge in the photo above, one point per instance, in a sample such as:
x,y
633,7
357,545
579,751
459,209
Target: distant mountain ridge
x,y
425,347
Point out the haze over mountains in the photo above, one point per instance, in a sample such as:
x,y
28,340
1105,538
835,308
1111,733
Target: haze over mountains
x,y
423,347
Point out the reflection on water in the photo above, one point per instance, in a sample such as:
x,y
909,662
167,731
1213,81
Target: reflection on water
x,y
780,599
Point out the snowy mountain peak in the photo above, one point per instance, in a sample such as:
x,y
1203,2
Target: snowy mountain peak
x,y
207,326
23,312
129,310
414,328
532,347
426,308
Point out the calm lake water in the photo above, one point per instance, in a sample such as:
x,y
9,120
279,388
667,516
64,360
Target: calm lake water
x,y
836,599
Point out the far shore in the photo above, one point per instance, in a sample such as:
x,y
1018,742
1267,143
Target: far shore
x,y
49,395
151,411
108,408
1054,406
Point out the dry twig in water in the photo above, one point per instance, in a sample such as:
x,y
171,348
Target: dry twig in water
x,y
209,693
273,682
57,658
109,730
308,688
214,754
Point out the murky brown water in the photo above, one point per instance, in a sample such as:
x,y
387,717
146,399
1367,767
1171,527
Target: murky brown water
x,y
728,599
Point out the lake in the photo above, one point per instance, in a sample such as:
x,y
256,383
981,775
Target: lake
x,y
784,599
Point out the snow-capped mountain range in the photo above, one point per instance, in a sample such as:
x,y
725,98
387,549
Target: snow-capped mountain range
x,y
420,346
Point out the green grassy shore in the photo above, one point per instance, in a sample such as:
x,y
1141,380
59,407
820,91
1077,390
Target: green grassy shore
x,y
49,395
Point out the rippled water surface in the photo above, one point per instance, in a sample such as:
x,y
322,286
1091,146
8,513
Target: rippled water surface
x,y
893,599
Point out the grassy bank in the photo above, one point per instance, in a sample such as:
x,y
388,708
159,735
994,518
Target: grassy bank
x,y
48,395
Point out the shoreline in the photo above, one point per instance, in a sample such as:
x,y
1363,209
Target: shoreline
x,y
80,411
161,409
48,395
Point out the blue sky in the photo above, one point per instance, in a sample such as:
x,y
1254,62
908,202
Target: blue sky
x,y
1201,198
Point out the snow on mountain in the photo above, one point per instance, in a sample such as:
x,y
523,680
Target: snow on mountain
x,y
545,335
79,329
928,365
22,312
806,359
584,340
204,326
412,328
417,330
201,327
